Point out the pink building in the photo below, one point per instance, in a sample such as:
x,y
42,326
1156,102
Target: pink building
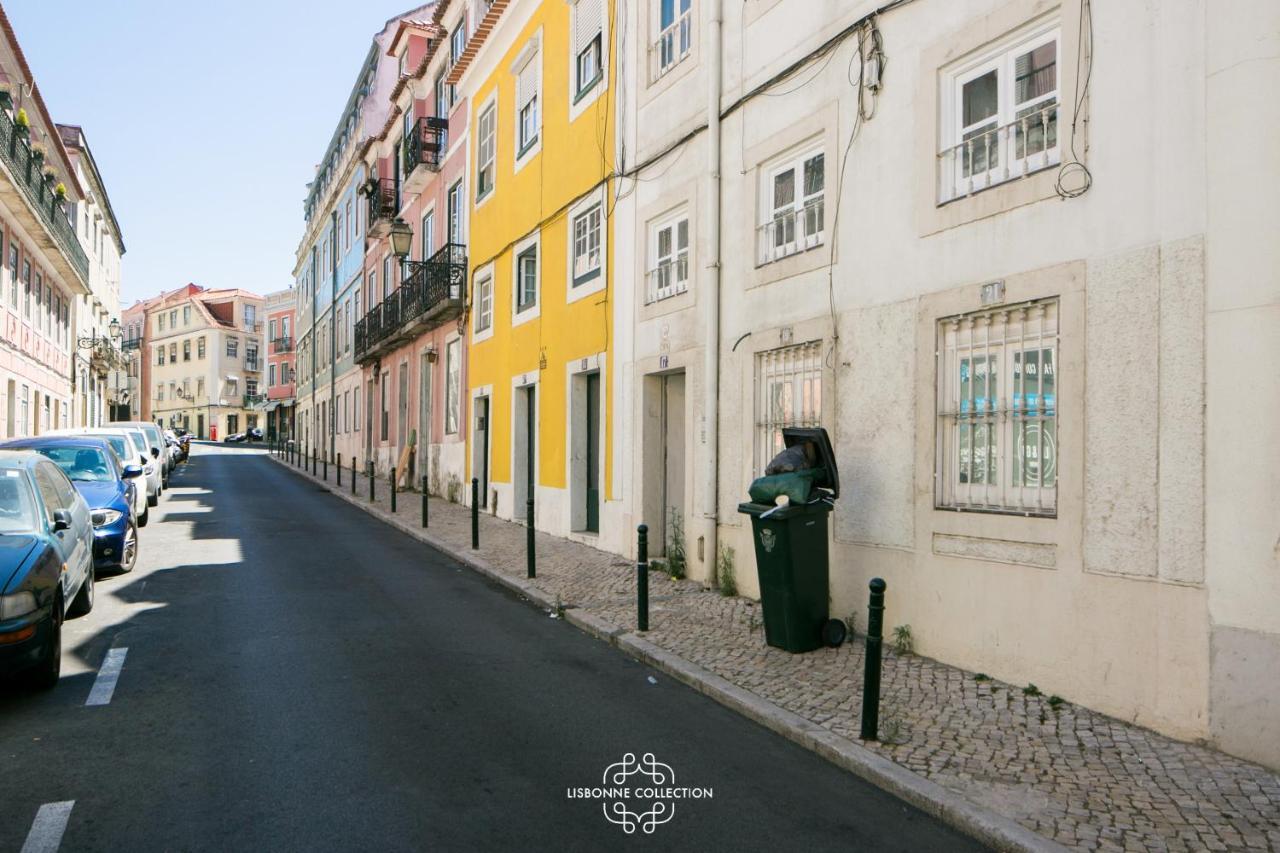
x,y
408,341
281,389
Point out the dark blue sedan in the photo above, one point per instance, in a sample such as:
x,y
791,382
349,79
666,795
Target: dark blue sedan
x,y
46,564
107,485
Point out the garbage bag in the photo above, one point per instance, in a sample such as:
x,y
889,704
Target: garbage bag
x,y
797,457
796,485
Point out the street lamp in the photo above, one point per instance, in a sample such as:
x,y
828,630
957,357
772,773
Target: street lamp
x,y
401,238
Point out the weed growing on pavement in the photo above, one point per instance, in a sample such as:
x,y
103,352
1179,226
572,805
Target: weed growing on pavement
x,y
849,622
903,642
675,546
981,676
559,614
1056,701
725,574
893,731
1031,690
454,488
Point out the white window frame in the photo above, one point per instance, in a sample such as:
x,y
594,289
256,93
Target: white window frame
x,y
427,236
1000,421
483,285
452,385
799,225
519,315
673,43
668,274
580,99
529,60
1000,153
591,280
788,393
487,160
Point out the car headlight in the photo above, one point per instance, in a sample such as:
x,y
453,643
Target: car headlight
x,y
103,517
18,604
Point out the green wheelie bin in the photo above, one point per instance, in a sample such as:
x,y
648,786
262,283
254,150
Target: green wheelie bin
x,y
791,553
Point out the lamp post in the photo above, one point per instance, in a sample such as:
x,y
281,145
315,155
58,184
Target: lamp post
x,y
91,342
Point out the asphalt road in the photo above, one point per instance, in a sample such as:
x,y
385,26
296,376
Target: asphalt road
x,y
299,676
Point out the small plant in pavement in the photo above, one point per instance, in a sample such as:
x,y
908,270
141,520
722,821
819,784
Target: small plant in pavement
x,y
904,643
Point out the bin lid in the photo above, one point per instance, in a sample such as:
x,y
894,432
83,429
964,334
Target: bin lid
x,y
826,458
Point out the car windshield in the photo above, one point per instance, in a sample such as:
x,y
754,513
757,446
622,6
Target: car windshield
x,y
120,445
17,509
84,464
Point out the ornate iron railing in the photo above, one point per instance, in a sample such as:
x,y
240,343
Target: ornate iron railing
x,y
16,153
425,144
381,194
281,345
427,285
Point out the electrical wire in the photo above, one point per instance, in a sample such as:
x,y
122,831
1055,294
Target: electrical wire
x,y
1074,178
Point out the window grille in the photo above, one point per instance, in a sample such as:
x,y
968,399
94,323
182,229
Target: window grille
x,y
788,393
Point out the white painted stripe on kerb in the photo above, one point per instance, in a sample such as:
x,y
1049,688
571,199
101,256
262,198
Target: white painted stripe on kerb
x,y
46,833
105,684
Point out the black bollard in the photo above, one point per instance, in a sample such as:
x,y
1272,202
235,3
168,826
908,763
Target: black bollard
x,y
475,514
313,461
871,670
353,473
393,490
533,560
642,577
371,481
424,501
338,470
326,467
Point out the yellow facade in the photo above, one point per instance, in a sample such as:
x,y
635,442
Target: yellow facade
x,y
570,336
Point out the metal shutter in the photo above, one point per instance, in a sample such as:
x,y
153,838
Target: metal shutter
x,y
588,17
527,82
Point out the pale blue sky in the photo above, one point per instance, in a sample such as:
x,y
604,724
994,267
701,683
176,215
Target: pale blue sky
x,y
206,121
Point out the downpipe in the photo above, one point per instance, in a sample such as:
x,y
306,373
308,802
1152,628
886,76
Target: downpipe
x,y
711,351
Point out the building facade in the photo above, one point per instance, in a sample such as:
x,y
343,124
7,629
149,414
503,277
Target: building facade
x,y
281,308
538,77
205,349
1022,304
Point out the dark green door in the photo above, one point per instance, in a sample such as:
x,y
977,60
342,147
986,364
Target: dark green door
x,y
593,452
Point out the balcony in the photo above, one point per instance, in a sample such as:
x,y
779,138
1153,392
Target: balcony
x,y
131,344
994,155
432,293
254,400
39,194
281,345
252,365
381,195
423,150
792,231
673,45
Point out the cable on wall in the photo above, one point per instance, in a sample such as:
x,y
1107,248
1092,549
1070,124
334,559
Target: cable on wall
x,y
1074,178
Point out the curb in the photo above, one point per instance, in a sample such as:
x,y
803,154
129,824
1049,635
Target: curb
x,y
953,809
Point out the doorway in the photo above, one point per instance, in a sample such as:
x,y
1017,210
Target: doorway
x,y
584,434
480,448
524,442
664,459
200,427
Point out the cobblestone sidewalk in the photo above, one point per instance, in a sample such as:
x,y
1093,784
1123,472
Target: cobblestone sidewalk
x,y
1082,779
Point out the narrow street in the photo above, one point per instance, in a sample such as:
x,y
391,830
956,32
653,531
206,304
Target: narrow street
x,y
300,676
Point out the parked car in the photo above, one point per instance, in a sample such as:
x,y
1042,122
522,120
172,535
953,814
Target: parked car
x,y
150,467
179,446
46,564
107,485
172,446
155,441
123,445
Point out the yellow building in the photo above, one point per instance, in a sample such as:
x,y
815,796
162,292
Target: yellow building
x,y
537,76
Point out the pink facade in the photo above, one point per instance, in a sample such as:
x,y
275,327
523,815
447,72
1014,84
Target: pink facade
x,y
281,364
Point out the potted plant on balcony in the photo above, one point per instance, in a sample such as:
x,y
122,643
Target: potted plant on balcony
x,y
49,175
38,152
21,123
6,95
60,191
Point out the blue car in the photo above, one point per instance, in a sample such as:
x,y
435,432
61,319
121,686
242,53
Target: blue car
x,y
46,564
107,485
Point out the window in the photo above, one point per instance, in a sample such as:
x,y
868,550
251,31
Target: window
x,y
199,347
455,214
355,398
26,288
161,322
271,375
1000,114
233,386
669,270
675,34
373,285
173,319
486,151
271,330
251,387
386,276
788,394
186,315
484,302
453,385
13,274
233,347
588,44
349,326
527,279
160,391
199,387
428,234
793,207
527,104
385,403
251,315
160,355
350,230
442,97
186,350
997,410
173,353
586,244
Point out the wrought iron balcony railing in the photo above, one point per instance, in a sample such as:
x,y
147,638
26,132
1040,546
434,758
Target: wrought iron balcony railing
x,y
281,345
381,196
432,293
251,400
425,144
16,153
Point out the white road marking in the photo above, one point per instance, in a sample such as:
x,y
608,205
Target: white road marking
x,y
105,684
46,831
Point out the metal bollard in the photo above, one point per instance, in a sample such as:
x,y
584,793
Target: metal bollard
x,y
338,469
326,466
424,501
393,490
533,560
871,670
642,577
353,473
313,462
371,480
475,514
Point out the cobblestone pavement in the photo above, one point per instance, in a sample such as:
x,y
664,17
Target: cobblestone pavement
x,y
1083,779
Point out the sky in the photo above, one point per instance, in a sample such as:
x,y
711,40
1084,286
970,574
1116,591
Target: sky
x,y
206,121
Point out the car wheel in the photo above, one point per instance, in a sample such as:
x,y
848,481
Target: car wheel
x,y
44,675
152,500
82,604
129,557
146,515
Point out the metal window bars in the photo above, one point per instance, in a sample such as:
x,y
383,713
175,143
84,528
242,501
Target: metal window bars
x,y
994,155
788,393
792,231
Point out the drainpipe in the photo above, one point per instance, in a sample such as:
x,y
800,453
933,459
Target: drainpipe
x,y
711,366
333,326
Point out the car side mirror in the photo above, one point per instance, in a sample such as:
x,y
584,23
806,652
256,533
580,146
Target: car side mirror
x,y
61,519
131,471
155,453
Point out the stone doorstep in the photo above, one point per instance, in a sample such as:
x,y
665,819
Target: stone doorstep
x,y
983,825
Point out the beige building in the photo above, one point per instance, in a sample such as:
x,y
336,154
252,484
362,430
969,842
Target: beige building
x,y
1019,258
207,359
